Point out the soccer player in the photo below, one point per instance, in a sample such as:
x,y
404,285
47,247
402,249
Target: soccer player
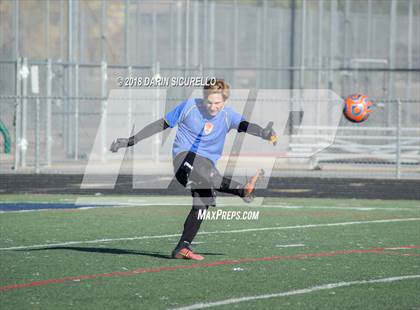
x,y
202,128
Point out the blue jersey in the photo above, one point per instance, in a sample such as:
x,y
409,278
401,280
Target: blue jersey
x,y
198,131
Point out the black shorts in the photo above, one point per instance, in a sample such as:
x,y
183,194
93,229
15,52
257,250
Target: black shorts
x,y
198,173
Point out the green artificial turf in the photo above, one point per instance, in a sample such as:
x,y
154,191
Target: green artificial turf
x,y
242,258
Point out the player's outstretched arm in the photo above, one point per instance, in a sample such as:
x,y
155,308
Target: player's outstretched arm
x,y
266,133
146,132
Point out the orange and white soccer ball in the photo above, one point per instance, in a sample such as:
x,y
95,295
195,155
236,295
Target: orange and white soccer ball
x,y
357,108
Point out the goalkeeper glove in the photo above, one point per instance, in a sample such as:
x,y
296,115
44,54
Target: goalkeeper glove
x,y
117,144
269,134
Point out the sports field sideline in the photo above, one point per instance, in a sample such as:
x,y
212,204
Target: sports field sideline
x,y
113,252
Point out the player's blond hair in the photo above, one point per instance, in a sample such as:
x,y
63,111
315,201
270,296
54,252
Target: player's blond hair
x,y
220,87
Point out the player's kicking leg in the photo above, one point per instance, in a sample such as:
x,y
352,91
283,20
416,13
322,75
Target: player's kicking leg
x,y
203,178
202,199
193,169
245,191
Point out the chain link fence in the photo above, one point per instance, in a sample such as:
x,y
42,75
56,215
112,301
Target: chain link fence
x,y
81,48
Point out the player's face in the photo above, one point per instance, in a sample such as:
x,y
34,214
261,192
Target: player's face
x,y
214,104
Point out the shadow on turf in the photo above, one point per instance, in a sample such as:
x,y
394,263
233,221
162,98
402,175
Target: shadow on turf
x,y
111,251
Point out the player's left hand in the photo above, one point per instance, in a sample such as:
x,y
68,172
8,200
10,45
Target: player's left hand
x,y
269,134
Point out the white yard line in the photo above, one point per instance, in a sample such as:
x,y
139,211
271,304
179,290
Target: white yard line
x,y
328,286
289,245
398,248
48,245
209,233
336,208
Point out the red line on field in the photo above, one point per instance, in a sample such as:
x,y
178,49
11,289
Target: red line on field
x,y
386,251
213,264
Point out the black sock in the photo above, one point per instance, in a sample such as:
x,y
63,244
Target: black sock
x,y
191,226
231,187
